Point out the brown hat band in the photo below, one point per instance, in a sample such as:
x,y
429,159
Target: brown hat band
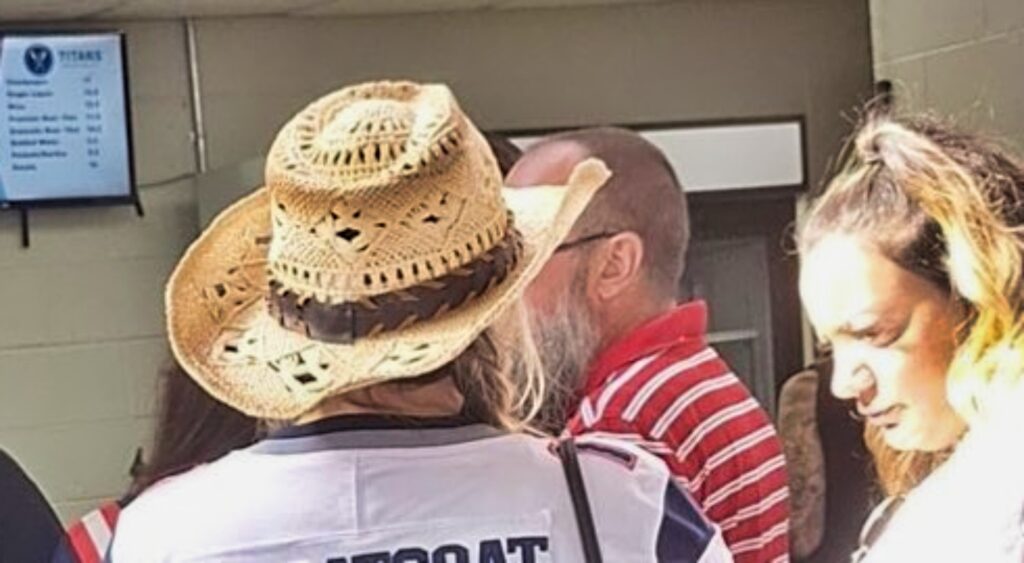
x,y
344,323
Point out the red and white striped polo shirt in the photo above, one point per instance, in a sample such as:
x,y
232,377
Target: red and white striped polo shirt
x,y
665,389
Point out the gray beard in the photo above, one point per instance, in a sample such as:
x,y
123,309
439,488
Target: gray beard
x,y
567,341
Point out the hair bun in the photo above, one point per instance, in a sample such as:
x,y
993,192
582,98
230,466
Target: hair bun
x,y
870,143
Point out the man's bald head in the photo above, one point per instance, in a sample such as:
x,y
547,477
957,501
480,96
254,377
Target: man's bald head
x,y
642,196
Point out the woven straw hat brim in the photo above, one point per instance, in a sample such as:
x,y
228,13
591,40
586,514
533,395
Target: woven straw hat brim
x,y
228,261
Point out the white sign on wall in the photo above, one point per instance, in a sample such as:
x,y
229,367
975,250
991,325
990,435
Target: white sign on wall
x,y
63,118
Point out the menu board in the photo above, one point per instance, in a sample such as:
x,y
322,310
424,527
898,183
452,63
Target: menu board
x,y
64,125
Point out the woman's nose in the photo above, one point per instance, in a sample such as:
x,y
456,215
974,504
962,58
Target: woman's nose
x,y
852,381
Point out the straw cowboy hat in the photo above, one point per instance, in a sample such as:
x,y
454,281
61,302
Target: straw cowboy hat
x,y
380,247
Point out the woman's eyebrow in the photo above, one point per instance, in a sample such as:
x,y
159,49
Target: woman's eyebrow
x,y
858,325
861,323
870,321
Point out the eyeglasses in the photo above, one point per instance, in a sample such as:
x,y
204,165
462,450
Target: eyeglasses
x,y
584,240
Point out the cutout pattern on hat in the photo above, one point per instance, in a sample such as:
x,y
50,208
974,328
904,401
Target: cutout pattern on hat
x,y
341,233
395,167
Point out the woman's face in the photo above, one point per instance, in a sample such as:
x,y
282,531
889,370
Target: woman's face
x,y
892,334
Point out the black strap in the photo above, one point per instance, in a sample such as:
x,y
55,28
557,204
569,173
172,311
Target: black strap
x,y
580,504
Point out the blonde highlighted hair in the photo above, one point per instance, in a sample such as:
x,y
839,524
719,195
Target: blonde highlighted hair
x,y
949,206
899,471
499,377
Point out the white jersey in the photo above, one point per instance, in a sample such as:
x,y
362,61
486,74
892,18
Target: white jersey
x,y
359,489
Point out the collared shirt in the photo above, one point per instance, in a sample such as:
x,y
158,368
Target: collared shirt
x,y
373,489
663,388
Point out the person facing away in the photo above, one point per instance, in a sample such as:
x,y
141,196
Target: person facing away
x,y
911,271
368,296
29,530
626,359
192,428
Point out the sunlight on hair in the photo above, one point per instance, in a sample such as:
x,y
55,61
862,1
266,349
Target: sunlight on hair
x,y
985,254
522,371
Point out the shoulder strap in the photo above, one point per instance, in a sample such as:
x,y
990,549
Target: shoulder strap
x,y
580,504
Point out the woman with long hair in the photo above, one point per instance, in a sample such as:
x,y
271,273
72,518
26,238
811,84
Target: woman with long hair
x,y
912,264
192,428
369,299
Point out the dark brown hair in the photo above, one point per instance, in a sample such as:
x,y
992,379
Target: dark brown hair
x,y
191,428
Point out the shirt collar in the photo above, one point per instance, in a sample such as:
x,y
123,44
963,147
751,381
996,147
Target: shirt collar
x,y
368,422
374,432
685,323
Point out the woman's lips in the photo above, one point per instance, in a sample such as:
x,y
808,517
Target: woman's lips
x,y
888,416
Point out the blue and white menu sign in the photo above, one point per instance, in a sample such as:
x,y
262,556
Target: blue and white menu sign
x,y
63,123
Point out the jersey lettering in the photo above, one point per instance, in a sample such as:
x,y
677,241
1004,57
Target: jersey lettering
x,y
519,550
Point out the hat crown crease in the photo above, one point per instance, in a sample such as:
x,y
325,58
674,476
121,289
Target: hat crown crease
x,y
370,196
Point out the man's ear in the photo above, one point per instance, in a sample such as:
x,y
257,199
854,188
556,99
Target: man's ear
x,y
617,265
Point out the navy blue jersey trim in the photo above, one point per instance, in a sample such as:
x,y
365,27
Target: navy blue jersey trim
x,y
685,533
374,432
369,422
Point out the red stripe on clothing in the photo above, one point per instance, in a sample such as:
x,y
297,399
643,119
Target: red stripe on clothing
x,y
732,454
660,402
753,527
687,408
757,480
81,544
777,550
722,473
111,511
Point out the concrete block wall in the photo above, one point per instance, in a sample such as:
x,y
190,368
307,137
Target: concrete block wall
x,y
961,58
81,319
